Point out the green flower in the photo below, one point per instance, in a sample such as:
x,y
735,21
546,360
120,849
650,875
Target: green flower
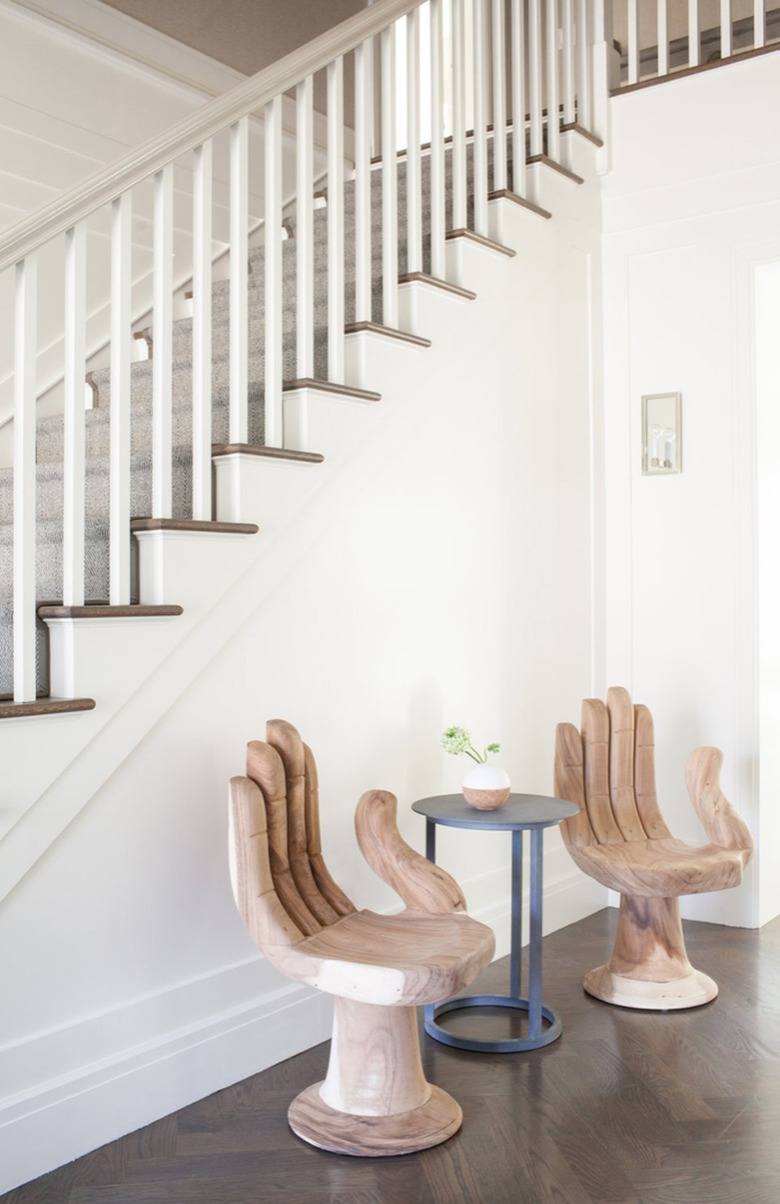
x,y
456,740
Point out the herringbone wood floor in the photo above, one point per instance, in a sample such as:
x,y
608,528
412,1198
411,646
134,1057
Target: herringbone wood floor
x,y
626,1107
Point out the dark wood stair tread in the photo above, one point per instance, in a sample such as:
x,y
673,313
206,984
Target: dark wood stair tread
x,y
44,706
552,163
506,195
327,386
481,240
102,610
445,285
389,332
193,524
269,453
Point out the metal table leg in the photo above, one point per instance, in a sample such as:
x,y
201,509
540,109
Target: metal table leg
x,y
537,1013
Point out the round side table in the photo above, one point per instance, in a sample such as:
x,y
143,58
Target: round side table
x,y
520,813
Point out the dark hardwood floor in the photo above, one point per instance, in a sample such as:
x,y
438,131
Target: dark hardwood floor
x,y
625,1107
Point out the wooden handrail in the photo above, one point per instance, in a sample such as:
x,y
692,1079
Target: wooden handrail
x,y
247,97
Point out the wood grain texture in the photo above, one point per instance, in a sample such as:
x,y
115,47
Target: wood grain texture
x,y
422,885
375,1068
285,739
619,837
374,1136
375,1098
329,889
406,959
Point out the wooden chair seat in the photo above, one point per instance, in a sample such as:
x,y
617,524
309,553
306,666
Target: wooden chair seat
x,y
667,867
408,959
620,838
375,1099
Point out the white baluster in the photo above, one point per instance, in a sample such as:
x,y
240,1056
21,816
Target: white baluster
x,y
74,420
389,183
162,342
480,119
633,42
274,433
663,39
363,125
693,33
759,24
239,272
414,255
518,98
553,103
304,229
119,523
336,372
584,81
725,29
25,354
535,76
201,332
438,195
458,117
499,97
567,61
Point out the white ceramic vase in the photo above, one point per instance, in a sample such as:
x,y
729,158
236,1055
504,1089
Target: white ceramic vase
x,y
486,787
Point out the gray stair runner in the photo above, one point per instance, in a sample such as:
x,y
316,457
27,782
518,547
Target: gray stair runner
x,y
49,434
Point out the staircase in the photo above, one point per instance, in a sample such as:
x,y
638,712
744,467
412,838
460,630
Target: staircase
x,y
123,528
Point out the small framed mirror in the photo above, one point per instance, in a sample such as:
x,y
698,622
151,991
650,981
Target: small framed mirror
x,y
661,433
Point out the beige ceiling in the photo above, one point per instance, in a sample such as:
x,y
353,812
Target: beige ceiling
x,y
244,34
250,34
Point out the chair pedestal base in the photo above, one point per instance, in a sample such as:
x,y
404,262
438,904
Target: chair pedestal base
x,y
649,966
688,992
314,1121
375,1099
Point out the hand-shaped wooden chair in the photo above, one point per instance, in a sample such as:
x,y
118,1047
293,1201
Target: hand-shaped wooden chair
x,y
619,838
374,1099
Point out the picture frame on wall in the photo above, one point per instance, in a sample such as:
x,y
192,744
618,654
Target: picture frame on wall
x,y
661,434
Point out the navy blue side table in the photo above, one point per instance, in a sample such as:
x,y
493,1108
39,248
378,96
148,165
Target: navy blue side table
x,y
520,813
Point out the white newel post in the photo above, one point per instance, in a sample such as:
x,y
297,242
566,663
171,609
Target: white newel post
x,y
201,332
604,76
438,196
274,433
25,354
336,222
304,231
414,256
162,360
74,416
389,182
239,271
119,518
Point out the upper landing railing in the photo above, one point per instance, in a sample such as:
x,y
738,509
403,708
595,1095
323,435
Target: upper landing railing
x,y
661,38
506,74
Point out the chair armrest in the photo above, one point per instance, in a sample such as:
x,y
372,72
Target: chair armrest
x,y
422,885
723,824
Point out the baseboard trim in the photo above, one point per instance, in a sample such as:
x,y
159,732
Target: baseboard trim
x,y
74,1113
68,1117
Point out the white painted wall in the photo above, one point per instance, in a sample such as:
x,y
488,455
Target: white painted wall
x,y
442,575
691,208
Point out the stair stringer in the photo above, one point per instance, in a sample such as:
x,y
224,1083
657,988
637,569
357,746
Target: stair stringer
x,y
413,382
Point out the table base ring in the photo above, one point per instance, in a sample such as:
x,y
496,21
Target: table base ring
x,y
510,1045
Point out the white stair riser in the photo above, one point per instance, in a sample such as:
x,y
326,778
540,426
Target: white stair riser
x,y
256,489
171,567
107,659
327,423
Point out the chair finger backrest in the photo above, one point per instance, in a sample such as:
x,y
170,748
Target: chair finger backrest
x,y
267,920
608,770
285,772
